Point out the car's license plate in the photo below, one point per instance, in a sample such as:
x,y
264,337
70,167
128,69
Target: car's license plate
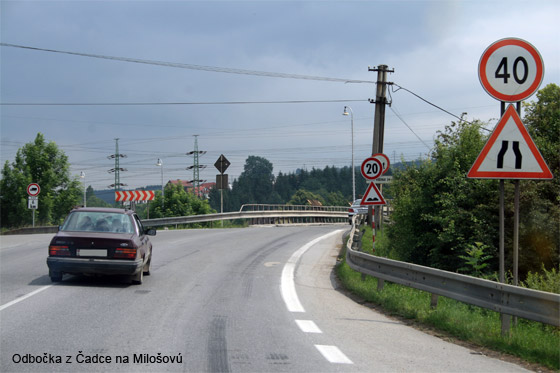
x,y
92,252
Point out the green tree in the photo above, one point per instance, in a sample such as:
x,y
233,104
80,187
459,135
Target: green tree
x,y
89,192
475,260
178,202
303,197
539,239
255,184
231,201
93,201
43,163
439,213
542,118
440,216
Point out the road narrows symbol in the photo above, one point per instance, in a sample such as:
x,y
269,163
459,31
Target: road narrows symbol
x,y
518,156
503,150
516,152
496,161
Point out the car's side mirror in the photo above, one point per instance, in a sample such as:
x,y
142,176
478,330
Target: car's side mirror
x,y
150,232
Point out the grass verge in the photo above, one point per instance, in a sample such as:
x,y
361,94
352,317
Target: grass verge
x,y
533,342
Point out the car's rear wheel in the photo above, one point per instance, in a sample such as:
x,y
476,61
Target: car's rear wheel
x,y
55,276
147,267
138,278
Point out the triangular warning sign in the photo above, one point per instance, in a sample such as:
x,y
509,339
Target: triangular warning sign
x,y
510,153
372,196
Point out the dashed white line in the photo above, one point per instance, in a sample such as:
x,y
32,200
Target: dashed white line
x,y
288,290
333,354
24,297
308,326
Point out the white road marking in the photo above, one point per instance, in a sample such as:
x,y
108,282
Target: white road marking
x,y
333,354
308,326
287,285
24,297
288,290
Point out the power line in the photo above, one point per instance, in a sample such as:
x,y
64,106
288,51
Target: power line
x,y
426,101
171,103
434,105
226,70
411,130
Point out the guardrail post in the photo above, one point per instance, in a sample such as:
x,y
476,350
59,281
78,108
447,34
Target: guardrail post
x,y
434,301
380,284
505,319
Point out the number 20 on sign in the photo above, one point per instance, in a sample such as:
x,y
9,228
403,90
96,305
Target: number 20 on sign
x,y
371,168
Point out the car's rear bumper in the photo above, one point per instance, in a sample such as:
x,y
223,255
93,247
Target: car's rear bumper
x,y
94,266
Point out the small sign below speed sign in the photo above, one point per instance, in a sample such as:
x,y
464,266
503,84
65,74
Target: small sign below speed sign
x,y
371,168
511,70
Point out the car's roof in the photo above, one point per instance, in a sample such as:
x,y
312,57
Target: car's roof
x,y
103,210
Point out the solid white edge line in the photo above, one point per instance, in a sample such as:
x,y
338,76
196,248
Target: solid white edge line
x,y
24,297
287,285
308,326
288,289
333,354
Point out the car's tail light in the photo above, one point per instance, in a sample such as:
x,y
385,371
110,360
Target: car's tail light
x,y
125,253
59,250
350,210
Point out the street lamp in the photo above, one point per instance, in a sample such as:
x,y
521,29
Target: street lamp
x,y
83,176
346,108
160,163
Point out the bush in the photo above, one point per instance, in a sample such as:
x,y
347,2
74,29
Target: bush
x,y
544,281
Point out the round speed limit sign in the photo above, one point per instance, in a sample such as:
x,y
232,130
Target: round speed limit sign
x,y
511,70
371,168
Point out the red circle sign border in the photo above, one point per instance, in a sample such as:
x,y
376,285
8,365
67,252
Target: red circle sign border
x,y
386,159
38,189
484,60
380,168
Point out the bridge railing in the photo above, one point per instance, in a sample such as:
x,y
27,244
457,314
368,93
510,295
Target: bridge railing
x,y
256,214
263,214
278,207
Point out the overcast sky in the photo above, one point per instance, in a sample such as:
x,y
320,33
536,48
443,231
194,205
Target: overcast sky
x,y
434,48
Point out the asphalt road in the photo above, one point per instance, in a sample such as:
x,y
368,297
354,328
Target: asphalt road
x,y
259,299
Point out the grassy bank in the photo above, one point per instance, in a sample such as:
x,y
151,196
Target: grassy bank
x,y
528,340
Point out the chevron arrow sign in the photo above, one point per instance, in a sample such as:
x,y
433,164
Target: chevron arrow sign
x,y
134,195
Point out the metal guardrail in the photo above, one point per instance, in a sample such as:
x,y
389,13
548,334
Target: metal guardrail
x,y
512,300
264,214
33,230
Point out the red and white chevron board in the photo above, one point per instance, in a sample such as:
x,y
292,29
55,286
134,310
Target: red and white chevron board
x,y
134,195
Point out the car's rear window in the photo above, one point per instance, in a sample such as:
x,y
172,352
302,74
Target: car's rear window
x,y
91,221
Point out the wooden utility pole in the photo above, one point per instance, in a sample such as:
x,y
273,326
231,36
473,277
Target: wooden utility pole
x,y
378,130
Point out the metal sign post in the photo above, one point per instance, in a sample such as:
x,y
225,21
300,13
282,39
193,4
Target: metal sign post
x,y
510,70
222,179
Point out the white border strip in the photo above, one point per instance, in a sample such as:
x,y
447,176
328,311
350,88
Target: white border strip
x,y
308,326
333,354
287,285
24,297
